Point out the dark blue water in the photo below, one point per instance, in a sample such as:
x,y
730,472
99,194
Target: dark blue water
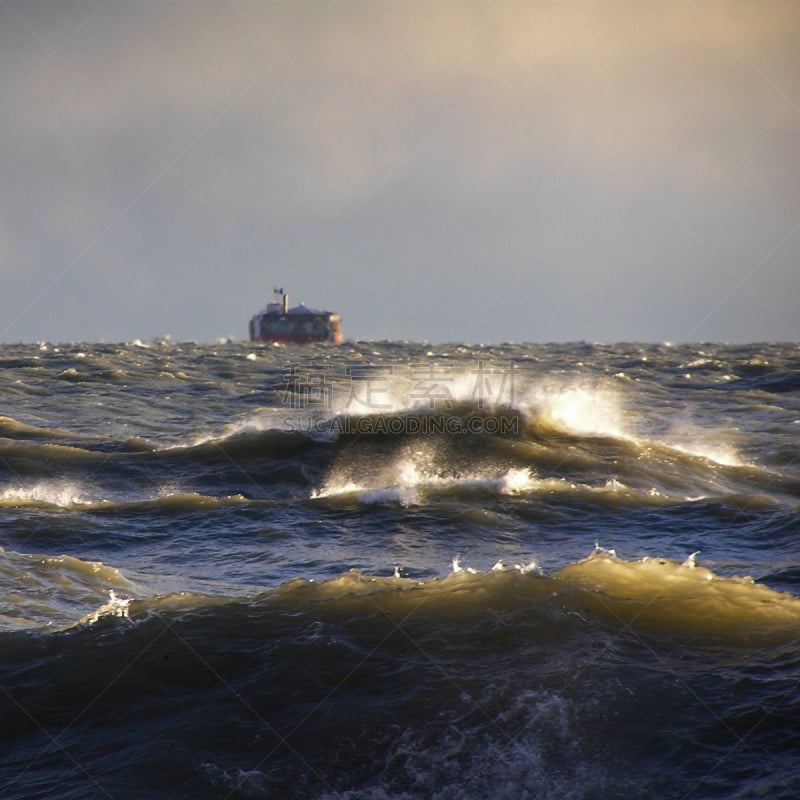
x,y
396,570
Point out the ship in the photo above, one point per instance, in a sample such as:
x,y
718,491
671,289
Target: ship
x,y
300,324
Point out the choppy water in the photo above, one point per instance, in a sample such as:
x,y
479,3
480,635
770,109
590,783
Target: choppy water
x,y
394,570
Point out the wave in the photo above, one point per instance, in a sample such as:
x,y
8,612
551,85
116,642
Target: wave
x,y
562,435
72,495
664,597
651,596
405,483
411,485
43,494
411,456
176,503
11,428
405,458
46,592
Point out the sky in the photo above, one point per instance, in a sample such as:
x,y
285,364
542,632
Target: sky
x,y
471,171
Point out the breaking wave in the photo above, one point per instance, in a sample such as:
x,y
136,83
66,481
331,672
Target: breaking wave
x,y
653,596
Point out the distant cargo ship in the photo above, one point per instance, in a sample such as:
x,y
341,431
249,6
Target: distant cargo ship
x,y
301,324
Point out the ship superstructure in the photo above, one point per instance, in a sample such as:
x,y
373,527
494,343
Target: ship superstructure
x,y
300,324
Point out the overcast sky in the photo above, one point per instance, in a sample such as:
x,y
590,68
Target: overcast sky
x,y
445,171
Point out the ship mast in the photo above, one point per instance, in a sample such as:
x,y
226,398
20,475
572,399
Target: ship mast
x,y
284,297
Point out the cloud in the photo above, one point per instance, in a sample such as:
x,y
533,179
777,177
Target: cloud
x,y
544,141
